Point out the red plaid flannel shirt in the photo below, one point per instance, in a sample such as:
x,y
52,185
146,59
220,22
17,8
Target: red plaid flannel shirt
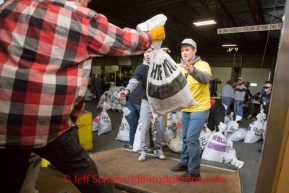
x,y
45,52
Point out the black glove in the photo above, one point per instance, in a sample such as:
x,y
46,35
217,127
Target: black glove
x,y
240,103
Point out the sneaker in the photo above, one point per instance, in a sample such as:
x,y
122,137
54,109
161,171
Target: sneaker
x,y
160,154
180,167
189,177
130,147
150,150
142,156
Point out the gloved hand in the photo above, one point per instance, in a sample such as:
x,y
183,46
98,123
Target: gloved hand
x,y
158,33
240,103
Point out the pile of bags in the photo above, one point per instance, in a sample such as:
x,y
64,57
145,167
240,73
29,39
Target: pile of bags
x,y
111,97
220,149
102,122
220,146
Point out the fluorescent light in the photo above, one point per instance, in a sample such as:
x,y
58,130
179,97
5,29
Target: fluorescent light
x,y
229,45
253,84
209,22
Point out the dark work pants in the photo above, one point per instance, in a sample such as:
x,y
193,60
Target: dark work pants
x,y
65,153
216,116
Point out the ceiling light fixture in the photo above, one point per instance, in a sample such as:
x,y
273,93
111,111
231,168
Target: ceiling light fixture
x,y
201,23
229,45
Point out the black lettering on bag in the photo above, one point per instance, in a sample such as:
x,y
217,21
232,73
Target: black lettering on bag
x,y
156,71
168,68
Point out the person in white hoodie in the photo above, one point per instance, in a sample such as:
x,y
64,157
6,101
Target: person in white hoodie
x,y
227,95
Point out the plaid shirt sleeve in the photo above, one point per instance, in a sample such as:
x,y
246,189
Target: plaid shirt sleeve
x,y
45,51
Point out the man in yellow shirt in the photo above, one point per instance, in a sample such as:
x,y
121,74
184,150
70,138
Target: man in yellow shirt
x,y
198,75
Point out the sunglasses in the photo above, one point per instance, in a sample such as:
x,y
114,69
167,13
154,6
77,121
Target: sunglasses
x,y
265,87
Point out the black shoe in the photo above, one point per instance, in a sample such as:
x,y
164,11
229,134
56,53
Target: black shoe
x,y
240,121
189,177
260,150
179,168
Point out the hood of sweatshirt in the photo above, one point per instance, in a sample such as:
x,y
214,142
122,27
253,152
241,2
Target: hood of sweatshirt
x,y
145,62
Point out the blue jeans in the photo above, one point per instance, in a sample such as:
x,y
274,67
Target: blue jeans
x,y
132,117
227,102
238,109
65,153
192,124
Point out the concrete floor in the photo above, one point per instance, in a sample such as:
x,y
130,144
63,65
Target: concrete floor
x,y
248,153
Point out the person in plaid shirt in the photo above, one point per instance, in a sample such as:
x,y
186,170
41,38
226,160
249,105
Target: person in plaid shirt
x,y
46,48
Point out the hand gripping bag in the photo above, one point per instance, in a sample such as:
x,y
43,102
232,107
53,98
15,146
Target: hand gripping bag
x,y
167,88
104,125
216,146
123,133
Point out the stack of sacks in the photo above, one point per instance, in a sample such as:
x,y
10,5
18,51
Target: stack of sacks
x,y
111,97
176,143
231,157
220,147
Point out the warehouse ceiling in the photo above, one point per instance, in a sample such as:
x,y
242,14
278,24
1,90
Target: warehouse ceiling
x,y
182,13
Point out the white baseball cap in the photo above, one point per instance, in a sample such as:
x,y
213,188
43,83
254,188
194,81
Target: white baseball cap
x,y
187,41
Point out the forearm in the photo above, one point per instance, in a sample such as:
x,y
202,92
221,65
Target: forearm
x,y
108,39
200,76
132,84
